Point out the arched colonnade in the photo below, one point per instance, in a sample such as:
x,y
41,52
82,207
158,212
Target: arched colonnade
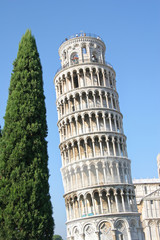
x,y
87,99
93,146
106,201
121,229
95,172
83,77
152,229
90,122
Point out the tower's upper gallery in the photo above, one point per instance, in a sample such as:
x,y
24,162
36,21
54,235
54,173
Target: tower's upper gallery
x,y
82,48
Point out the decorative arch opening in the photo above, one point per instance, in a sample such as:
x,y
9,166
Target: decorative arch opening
x,y
121,230
94,56
105,231
74,58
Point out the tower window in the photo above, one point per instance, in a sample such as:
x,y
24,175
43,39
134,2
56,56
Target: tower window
x,y
145,190
94,57
74,58
84,50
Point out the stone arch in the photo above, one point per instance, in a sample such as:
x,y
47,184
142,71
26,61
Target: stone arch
x,y
96,200
121,226
75,79
89,147
105,230
89,204
76,150
97,99
104,102
112,200
89,231
82,206
81,78
84,100
101,120
77,101
97,145
76,233
68,79
74,58
119,198
76,209
82,147
100,77
152,229
88,77
94,121
90,99
86,122
104,200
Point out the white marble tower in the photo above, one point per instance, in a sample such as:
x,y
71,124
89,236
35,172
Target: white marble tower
x,y
99,194
158,164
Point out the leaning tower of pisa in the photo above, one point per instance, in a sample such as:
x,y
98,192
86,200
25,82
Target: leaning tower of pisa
x,y
98,190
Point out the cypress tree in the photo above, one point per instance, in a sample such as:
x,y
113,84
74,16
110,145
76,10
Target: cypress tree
x,y
25,205
0,132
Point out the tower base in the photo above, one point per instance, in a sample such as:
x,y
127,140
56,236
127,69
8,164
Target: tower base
x,y
106,227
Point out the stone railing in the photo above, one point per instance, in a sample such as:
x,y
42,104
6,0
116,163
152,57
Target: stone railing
x,y
82,35
80,61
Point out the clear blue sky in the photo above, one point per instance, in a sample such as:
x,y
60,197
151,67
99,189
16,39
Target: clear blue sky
x,y
131,32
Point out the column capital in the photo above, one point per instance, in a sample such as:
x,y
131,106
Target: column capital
x,y
107,139
81,168
103,165
111,165
89,167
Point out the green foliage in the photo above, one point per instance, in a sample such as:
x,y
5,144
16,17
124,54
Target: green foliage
x,y
57,237
0,132
25,206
